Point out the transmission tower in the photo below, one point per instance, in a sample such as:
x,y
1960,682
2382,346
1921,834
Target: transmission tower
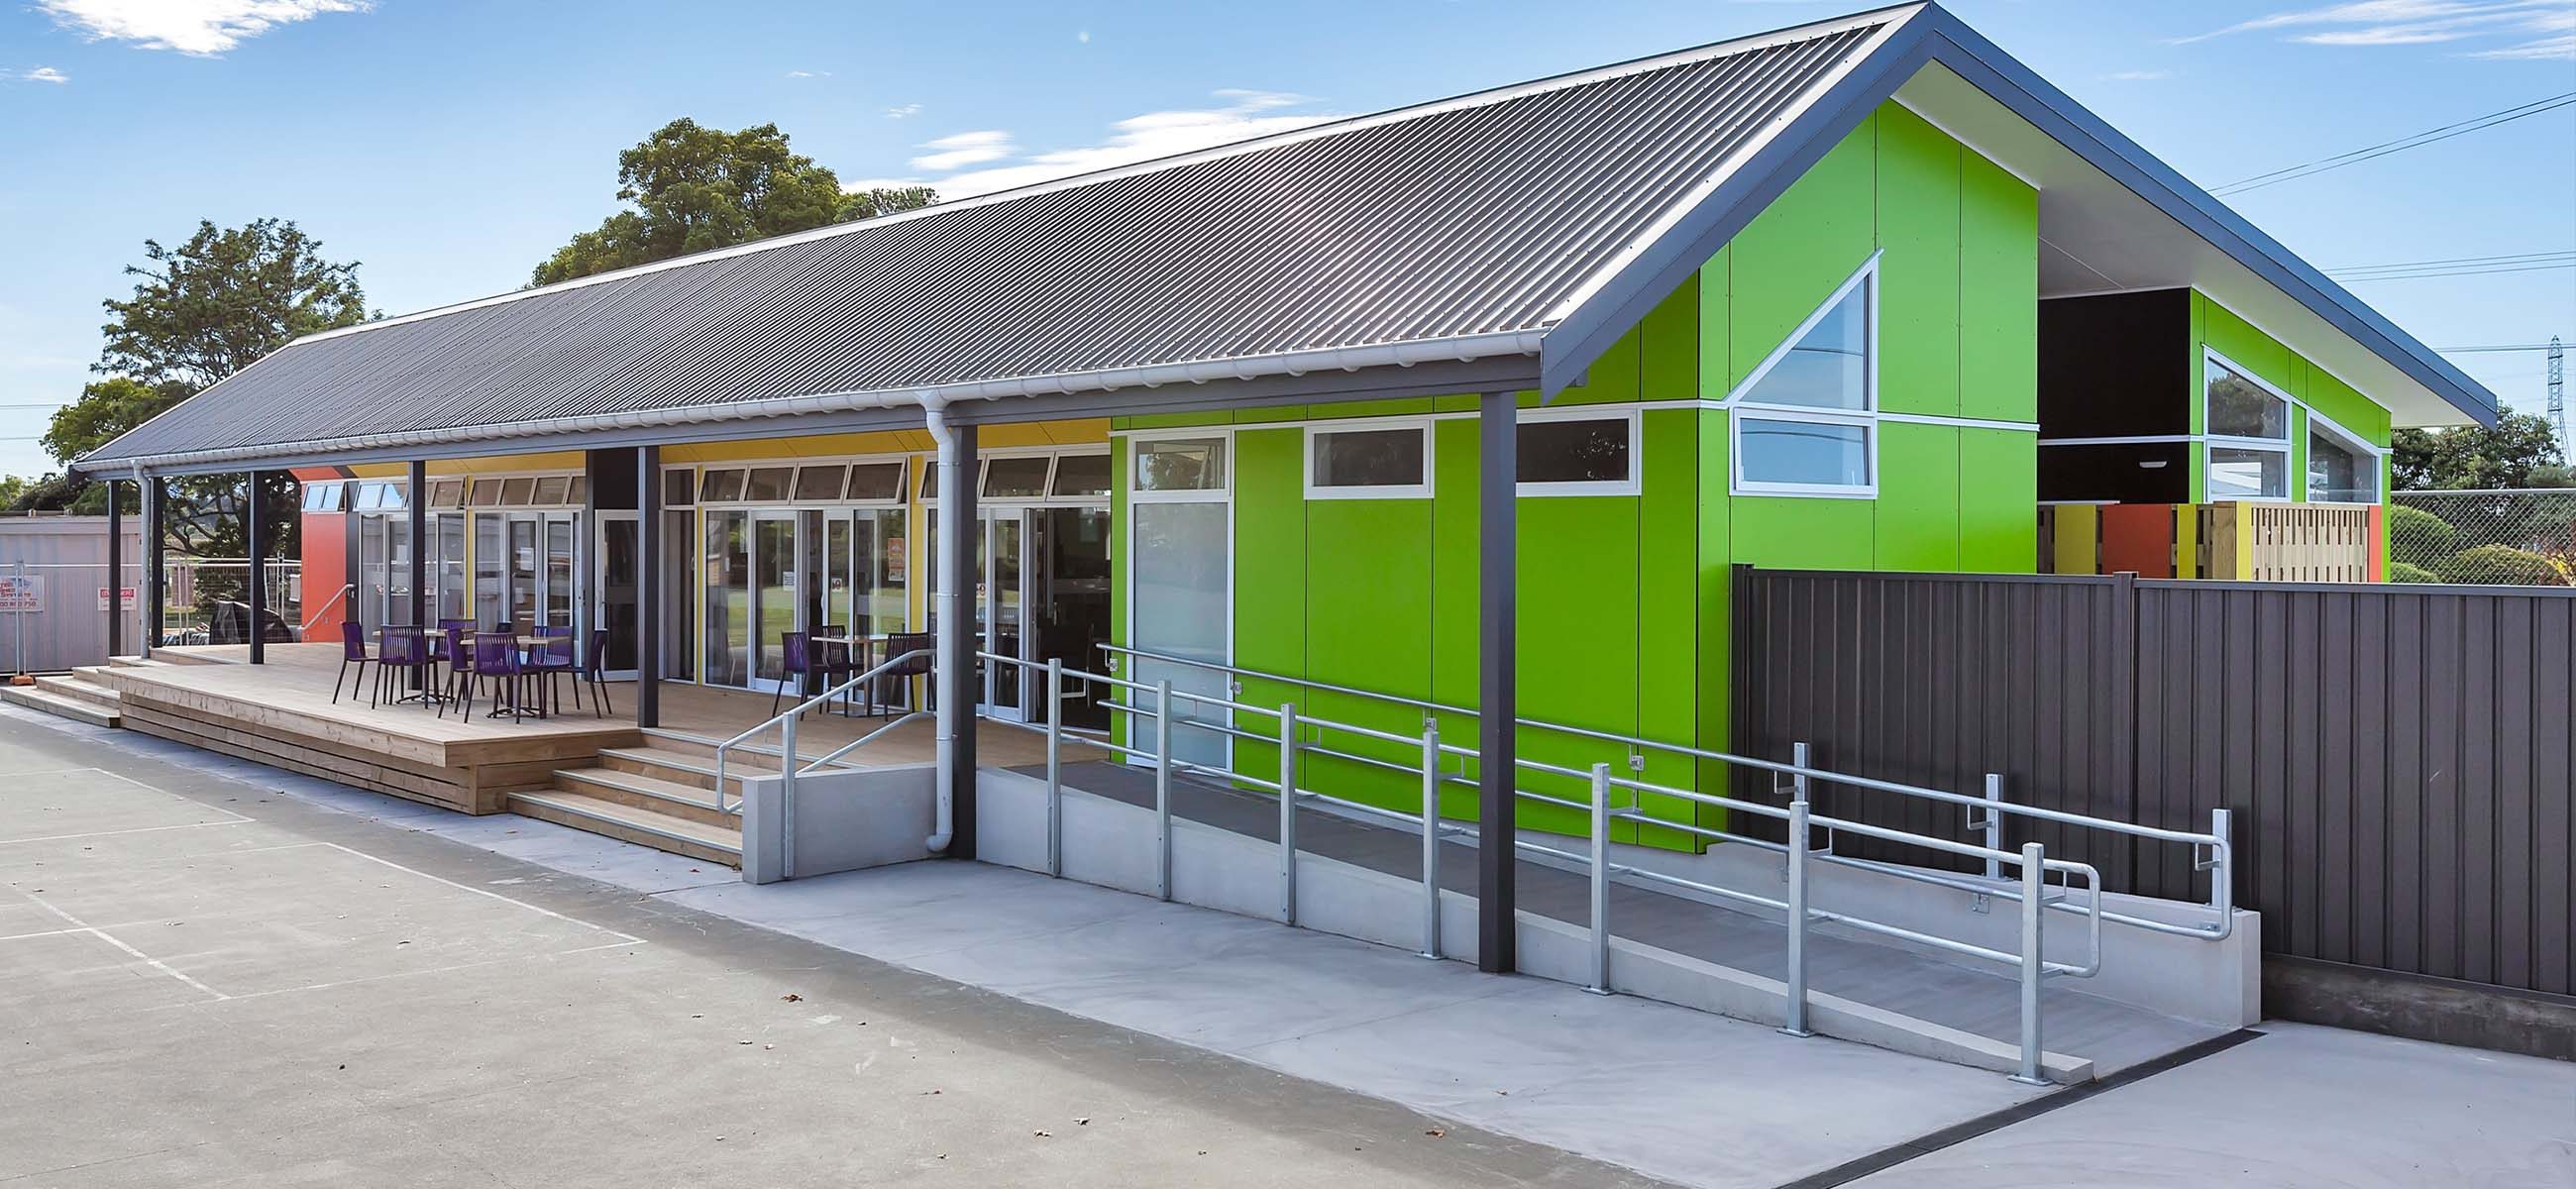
x,y
2558,395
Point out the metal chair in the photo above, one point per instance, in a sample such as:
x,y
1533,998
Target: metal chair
x,y
402,649
796,659
459,682
832,660
496,659
594,669
553,657
353,651
897,644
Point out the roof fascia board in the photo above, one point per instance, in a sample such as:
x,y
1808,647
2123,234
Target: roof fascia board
x,y
1988,68
1499,373
1661,264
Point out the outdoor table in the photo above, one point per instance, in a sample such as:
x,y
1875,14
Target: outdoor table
x,y
862,651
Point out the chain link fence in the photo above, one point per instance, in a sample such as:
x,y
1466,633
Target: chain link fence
x,y
2497,538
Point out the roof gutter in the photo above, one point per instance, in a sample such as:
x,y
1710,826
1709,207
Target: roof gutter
x,y
1463,349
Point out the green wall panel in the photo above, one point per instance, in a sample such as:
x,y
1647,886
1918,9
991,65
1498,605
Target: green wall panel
x,y
1716,594
1918,497
1999,293
1918,272
1715,327
1805,534
1792,255
1998,501
1456,608
1670,648
1269,577
1368,615
1118,563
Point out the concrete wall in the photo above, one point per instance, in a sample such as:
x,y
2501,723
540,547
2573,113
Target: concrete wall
x,y
841,820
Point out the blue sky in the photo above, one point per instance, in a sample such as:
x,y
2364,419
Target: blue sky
x,y
451,144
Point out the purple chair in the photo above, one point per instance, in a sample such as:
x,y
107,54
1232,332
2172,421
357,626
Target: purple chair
x,y
796,660
460,662
496,659
594,669
552,658
403,649
353,651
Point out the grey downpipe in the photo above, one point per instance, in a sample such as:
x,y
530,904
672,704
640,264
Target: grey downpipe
x,y
949,604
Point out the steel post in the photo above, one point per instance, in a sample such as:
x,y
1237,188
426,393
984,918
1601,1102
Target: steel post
x,y
256,536
1994,823
1163,789
1431,838
648,589
2034,966
1055,766
1794,1020
1600,880
1288,813
115,568
1498,683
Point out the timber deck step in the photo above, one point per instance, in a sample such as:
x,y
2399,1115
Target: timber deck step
x,y
674,765
79,686
62,705
638,790
630,823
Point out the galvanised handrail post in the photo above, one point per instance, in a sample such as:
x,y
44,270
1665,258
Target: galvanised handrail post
x,y
1055,767
2222,868
1794,1019
786,799
1288,812
1163,789
2034,885
1431,838
1992,823
1600,880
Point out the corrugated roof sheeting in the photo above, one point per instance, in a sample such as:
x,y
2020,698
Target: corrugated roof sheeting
x,y
1465,219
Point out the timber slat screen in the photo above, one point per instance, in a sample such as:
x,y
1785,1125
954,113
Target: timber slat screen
x,y
2398,759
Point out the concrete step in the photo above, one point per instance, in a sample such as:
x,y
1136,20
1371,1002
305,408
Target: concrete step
x,y
82,689
630,823
36,697
641,791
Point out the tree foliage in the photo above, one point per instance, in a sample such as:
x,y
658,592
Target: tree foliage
x,y
691,188
2502,565
218,302
2521,451
202,311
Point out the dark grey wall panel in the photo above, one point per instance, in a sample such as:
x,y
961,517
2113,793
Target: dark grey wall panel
x,y
2398,759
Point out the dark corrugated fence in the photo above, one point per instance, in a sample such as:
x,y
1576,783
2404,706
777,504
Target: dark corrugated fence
x,y
2397,759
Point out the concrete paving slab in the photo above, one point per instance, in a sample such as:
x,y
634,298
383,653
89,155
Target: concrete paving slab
x,y
2300,1106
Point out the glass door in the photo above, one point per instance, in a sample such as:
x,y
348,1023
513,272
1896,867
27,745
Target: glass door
x,y
1069,603
619,581
1001,610
774,588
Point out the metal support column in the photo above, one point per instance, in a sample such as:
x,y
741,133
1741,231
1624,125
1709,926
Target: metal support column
x,y
648,586
417,499
1498,578
959,692
255,540
115,569
156,583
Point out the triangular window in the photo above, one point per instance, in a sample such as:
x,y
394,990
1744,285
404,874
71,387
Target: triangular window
x,y
1805,420
1827,363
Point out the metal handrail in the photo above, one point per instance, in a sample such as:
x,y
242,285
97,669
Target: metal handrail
x,y
786,722
2220,860
327,604
2032,862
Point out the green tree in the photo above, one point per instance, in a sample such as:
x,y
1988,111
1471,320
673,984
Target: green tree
x,y
2521,451
217,303
202,311
692,188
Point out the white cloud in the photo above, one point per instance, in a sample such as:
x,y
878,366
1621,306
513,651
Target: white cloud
x,y
1082,36
904,112
1245,115
964,149
42,74
188,26
2537,28
809,74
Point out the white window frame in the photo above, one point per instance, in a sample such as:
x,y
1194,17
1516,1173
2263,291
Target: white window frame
x,y
2377,458
1222,493
1399,491
2210,442
1866,418
1632,485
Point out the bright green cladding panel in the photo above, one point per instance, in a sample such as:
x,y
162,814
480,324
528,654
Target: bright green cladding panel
x,y
1368,626
1118,564
1578,643
1998,294
1269,577
2347,407
1670,645
1998,501
1714,324
1716,580
2251,349
1918,504
1173,420
1455,608
1792,255
1918,268
1790,533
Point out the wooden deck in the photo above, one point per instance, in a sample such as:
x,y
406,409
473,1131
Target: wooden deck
x,y
281,713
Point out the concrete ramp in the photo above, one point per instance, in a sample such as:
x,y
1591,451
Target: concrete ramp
x,y
1360,879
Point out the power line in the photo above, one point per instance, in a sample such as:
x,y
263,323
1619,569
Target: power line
x,y
2493,349
2510,258
2399,145
2459,272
